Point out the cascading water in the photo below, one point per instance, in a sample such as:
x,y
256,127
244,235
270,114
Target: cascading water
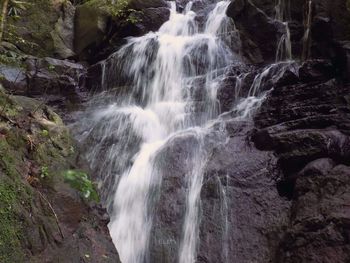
x,y
307,27
284,46
170,88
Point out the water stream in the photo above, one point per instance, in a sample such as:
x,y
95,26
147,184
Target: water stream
x,y
170,79
307,27
284,46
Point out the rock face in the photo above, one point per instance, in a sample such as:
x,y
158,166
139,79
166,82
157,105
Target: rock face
x,y
57,83
330,22
47,29
99,32
307,125
42,218
259,32
275,189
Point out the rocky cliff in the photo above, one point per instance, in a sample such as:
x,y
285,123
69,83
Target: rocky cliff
x,y
276,189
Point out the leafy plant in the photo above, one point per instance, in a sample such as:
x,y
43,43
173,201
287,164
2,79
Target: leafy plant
x,y
45,133
44,172
118,9
80,181
16,7
11,8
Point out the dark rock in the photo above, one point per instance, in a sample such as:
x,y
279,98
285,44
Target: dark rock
x,y
320,216
59,82
307,126
244,230
64,32
151,19
256,26
13,79
175,162
316,70
99,33
143,4
90,27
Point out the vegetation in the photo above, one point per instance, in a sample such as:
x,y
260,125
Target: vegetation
x,y
10,8
118,9
80,181
35,149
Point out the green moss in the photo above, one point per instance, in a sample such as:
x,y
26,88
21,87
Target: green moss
x,y
120,10
10,228
32,30
7,106
8,160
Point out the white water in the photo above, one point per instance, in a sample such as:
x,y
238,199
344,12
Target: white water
x,y
306,37
164,80
284,45
173,76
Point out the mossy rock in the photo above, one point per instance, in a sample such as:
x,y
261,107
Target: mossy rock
x,y
39,29
90,26
23,147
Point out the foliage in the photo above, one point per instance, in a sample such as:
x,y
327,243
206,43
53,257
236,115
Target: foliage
x,y
14,11
118,9
10,247
44,172
80,181
16,7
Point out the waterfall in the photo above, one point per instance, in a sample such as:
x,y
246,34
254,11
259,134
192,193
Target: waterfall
x,y
163,73
306,37
168,82
284,45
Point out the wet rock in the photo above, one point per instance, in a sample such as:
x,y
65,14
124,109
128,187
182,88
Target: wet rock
x,y
175,163
307,126
144,4
316,70
242,215
248,229
320,217
256,27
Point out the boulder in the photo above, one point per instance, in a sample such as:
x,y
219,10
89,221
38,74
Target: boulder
x,y
99,32
64,32
46,28
13,78
90,27
320,216
57,82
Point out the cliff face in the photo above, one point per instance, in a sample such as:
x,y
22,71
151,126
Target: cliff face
x,y
305,122
276,190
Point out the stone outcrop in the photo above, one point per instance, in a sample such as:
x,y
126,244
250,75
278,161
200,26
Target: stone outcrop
x,y
57,83
307,125
46,28
259,32
329,26
42,218
99,33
